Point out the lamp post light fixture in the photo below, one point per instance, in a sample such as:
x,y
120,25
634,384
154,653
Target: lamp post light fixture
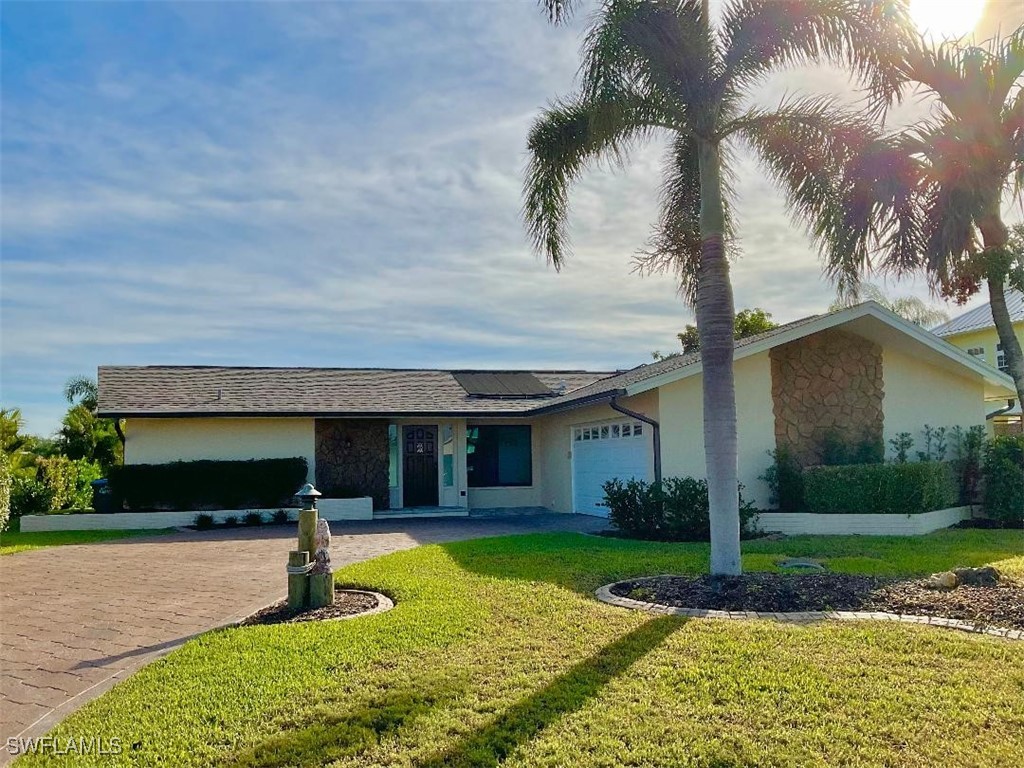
x,y
308,495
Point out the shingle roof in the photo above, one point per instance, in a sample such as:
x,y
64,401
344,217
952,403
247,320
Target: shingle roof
x,y
981,317
196,391
649,371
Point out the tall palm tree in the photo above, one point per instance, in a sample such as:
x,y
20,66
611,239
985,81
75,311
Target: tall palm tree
x,y
943,206
654,67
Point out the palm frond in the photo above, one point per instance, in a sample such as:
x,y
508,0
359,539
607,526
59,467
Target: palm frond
x,y
865,36
853,187
651,46
563,141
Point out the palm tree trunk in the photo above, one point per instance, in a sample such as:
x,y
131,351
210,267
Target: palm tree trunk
x,y
715,318
996,237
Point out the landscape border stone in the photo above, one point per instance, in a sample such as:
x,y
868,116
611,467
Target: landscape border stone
x,y
605,595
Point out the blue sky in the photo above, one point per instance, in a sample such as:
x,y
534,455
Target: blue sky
x,y
328,184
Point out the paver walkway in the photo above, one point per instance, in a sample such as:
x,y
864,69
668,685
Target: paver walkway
x,y
76,619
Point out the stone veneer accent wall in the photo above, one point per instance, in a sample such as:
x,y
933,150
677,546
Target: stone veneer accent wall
x,y
352,455
828,382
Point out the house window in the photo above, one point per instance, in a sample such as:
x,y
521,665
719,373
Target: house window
x,y
499,455
393,455
977,352
448,455
1001,358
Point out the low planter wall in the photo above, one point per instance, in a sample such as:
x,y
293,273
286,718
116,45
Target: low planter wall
x,y
795,523
330,509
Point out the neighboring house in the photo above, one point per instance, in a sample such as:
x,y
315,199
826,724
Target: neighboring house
x,y
975,332
501,439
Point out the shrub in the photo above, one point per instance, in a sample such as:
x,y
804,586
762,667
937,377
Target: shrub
x,y
785,480
634,507
208,484
203,522
5,490
675,510
968,445
60,475
254,518
1003,495
30,496
836,451
280,517
231,521
888,489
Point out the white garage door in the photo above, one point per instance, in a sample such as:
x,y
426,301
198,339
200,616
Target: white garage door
x,y
602,452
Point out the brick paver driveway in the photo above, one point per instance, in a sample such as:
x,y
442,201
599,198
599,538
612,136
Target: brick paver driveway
x,y
77,619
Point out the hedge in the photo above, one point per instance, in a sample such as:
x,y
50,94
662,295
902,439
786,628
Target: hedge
x,y
886,489
677,509
5,490
200,485
1003,474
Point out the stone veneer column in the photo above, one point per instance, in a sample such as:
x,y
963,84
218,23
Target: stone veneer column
x,y
352,457
830,382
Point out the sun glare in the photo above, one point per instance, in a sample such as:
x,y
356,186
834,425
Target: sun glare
x,y
946,18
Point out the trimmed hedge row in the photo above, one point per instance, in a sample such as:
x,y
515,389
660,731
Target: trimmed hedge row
x,y
1003,473
885,489
677,509
207,484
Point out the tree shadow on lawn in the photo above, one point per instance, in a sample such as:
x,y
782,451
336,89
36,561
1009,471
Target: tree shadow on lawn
x,y
566,694
336,734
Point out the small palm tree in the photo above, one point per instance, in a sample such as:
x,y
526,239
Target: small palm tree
x,y
660,67
932,195
908,307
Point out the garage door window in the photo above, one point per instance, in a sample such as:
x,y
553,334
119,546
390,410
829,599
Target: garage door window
x,y
499,455
620,431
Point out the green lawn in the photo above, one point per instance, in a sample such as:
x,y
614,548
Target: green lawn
x,y
14,540
497,654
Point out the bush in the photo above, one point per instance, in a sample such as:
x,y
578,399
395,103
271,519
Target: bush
x,y
1003,472
280,517
230,521
253,519
208,484
675,510
5,490
785,481
60,475
203,522
887,489
30,496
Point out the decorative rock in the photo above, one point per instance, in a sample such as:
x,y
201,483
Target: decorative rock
x,y
978,577
944,580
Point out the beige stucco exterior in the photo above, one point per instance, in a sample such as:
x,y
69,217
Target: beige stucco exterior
x,y
986,339
917,393
159,441
555,449
682,431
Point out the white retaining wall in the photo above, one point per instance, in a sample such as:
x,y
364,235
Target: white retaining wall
x,y
795,523
330,509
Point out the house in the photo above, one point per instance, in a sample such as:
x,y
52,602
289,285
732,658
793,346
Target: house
x,y
975,331
458,440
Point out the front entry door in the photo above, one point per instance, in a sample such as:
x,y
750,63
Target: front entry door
x,y
419,478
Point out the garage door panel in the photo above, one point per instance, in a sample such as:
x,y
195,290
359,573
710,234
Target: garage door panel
x,y
602,452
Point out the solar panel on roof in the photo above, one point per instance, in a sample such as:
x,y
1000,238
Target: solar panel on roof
x,y
501,384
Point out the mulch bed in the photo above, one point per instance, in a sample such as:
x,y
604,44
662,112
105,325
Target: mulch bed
x,y
346,603
1001,605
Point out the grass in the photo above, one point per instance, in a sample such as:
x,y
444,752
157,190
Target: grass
x,y
13,541
497,654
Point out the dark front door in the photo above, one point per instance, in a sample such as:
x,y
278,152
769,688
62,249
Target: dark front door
x,y
419,478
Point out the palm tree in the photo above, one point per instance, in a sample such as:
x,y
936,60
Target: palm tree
x,y
655,67
942,206
908,307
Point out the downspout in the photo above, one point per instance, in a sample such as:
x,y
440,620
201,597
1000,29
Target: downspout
x,y
655,426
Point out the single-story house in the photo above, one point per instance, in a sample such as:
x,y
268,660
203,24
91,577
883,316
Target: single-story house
x,y
476,439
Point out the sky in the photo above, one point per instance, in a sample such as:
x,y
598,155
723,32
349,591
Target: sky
x,y
327,184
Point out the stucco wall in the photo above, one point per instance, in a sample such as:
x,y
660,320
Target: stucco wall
x,y
680,410
555,449
987,338
158,441
917,393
